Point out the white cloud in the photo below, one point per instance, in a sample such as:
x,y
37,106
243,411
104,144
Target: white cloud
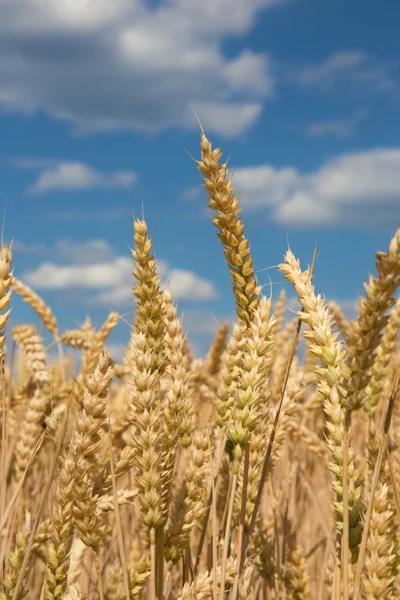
x,y
77,14
186,285
118,297
225,16
246,73
348,67
358,189
111,281
228,118
124,64
52,276
74,176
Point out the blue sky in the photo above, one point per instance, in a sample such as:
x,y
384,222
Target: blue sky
x,y
96,115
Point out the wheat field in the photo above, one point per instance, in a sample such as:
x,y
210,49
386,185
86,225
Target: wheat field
x,y
259,472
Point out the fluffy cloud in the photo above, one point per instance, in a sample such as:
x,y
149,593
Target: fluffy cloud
x,y
52,276
73,176
358,189
118,297
130,64
111,281
186,285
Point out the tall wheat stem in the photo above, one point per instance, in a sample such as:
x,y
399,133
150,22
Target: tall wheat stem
x,y
228,534
240,537
98,574
345,545
153,574
209,504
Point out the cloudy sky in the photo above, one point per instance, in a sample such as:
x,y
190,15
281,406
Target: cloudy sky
x,y
97,102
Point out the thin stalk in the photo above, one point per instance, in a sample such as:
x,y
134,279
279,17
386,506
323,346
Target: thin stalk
x,y
227,534
315,547
209,550
284,534
185,565
6,403
160,573
120,537
324,569
98,574
338,571
224,517
153,592
240,537
214,525
209,504
277,572
7,393
167,584
4,443
190,563
345,484
257,589
366,478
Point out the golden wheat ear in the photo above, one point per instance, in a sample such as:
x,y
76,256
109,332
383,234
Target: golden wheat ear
x,y
223,200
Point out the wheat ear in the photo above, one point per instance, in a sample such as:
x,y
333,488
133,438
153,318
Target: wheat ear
x,y
40,307
366,331
62,529
378,572
326,346
223,200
